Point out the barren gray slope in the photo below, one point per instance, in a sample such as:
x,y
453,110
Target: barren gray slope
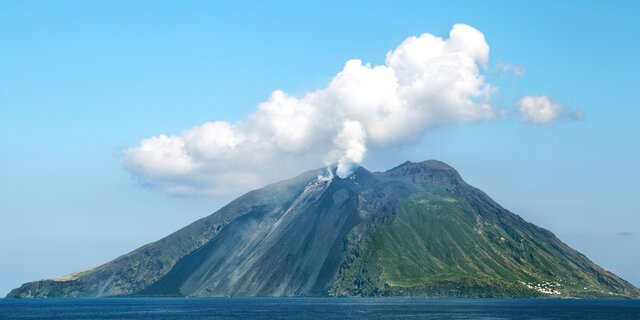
x,y
417,229
138,269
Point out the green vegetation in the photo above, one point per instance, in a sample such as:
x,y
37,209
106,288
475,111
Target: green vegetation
x,y
442,244
415,230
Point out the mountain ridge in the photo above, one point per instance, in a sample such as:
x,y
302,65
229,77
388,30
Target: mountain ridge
x,y
417,229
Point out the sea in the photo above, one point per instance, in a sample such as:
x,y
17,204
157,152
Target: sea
x,y
317,308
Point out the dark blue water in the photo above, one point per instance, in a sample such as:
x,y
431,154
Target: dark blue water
x,y
318,308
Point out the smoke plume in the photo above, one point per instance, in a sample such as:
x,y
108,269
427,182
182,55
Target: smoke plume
x,y
426,81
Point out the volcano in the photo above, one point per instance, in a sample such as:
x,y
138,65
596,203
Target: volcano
x,y
415,230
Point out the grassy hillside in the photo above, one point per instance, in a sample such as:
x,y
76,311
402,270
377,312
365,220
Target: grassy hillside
x,y
415,230
445,244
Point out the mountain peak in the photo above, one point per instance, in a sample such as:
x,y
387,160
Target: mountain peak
x,y
415,230
428,172
426,164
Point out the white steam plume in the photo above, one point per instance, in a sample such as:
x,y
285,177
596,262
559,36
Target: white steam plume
x,y
426,81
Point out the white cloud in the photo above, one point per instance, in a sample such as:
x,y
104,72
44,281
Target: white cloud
x,y
543,111
517,70
539,109
577,115
425,82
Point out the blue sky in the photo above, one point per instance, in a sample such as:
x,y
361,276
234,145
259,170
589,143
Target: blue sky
x,y
82,81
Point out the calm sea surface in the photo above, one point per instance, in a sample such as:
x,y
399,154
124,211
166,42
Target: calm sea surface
x,y
318,308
